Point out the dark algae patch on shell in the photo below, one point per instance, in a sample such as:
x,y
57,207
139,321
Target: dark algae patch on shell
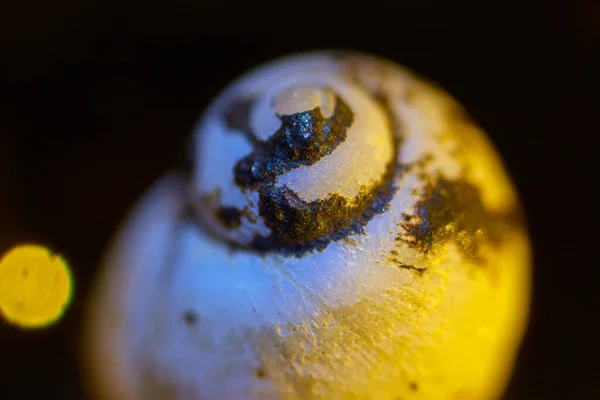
x,y
237,116
453,210
231,217
298,226
303,139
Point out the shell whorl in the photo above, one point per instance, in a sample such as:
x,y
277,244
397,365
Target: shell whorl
x,y
394,251
302,161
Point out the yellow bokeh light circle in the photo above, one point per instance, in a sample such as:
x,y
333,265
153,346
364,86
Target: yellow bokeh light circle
x,y
35,286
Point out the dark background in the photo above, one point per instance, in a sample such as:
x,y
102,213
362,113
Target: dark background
x,y
96,103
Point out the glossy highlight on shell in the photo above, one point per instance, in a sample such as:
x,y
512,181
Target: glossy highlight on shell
x,y
345,232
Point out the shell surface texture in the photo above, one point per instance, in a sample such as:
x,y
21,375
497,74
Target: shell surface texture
x,y
345,232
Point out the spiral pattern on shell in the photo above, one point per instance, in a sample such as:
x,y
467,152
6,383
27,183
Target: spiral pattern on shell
x,y
292,164
345,232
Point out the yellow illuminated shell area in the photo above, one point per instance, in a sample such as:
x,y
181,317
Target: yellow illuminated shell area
x,y
427,300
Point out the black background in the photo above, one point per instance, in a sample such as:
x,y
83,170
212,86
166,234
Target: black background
x,y
96,103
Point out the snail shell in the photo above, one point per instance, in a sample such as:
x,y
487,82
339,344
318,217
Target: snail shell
x,y
345,232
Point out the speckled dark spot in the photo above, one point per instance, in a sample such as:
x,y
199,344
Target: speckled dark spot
x,y
302,139
453,210
260,373
414,386
402,265
230,217
237,116
190,318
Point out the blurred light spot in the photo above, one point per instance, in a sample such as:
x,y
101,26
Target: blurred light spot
x,y
35,286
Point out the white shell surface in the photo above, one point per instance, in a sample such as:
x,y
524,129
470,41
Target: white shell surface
x,y
182,315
